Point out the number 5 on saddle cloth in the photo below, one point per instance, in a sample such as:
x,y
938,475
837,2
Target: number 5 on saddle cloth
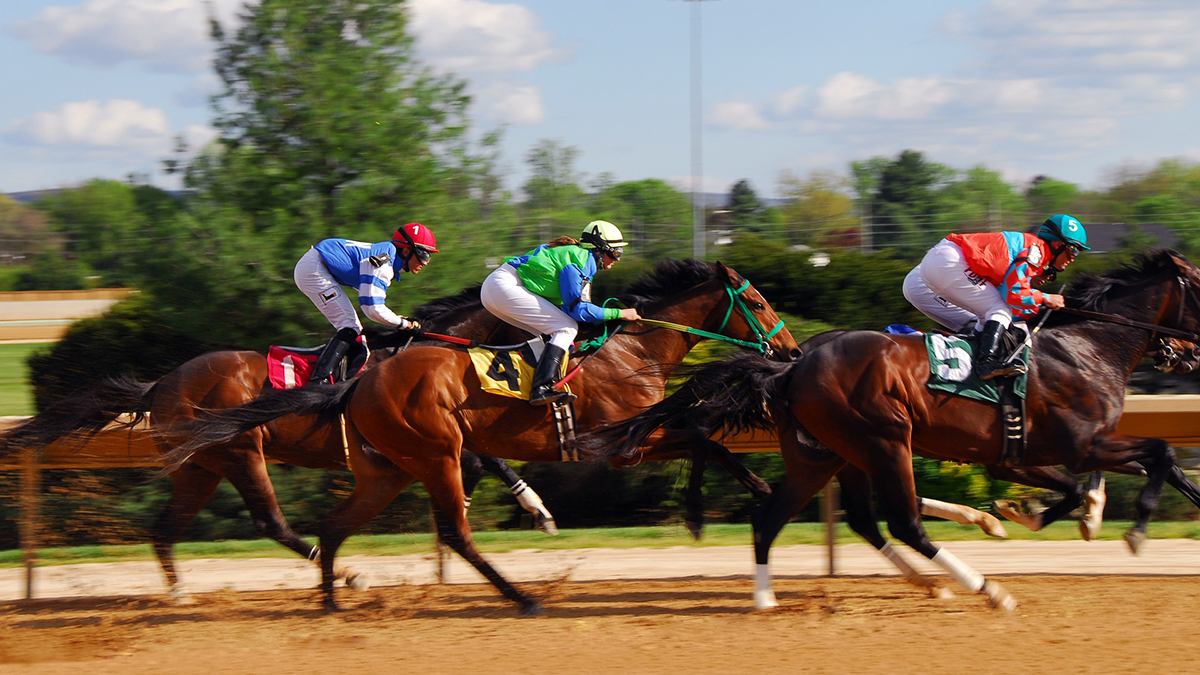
x,y
952,369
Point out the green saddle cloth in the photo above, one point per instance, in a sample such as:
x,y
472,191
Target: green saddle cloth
x,y
952,369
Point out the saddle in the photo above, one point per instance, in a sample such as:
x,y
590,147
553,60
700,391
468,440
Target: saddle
x,y
289,367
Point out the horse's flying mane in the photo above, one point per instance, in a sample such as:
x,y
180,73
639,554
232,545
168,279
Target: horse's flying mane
x,y
667,279
1089,291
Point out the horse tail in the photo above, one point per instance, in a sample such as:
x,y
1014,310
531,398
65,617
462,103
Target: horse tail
x,y
733,395
83,414
215,427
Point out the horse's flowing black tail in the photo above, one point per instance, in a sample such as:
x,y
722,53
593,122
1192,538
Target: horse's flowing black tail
x,y
731,395
221,426
80,416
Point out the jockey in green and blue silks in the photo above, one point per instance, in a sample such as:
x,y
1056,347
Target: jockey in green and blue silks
x,y
548,291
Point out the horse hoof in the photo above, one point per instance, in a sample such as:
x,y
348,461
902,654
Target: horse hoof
x,y
1012,511
1134,539
1088,529
546,524
180,598
998,597
696,530
765,600
532,608
357,582
992,526
941,593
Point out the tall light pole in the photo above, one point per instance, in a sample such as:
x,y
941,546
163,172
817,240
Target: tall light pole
x,y
698,237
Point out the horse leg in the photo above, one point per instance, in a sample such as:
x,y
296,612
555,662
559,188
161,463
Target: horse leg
x,y
721,454
891,471
1047,478
694,497
248,473
525,495
443,480
374,489
963,515
860,516
1155,455
808,470
191,488
1093,513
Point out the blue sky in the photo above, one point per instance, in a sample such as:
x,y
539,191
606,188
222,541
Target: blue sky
x,y
1073,89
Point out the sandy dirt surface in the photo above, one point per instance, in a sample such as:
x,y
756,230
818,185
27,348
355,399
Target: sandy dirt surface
x,y
1073,617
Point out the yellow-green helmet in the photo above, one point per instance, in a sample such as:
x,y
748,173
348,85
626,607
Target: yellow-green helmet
x,y
604,237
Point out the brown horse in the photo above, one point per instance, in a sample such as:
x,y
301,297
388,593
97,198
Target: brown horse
x,y
416,411
861,399
226,379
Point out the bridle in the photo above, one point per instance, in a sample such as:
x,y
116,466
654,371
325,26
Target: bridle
x,y
761,344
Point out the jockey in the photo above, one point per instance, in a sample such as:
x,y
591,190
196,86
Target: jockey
x,y
549,290
983,280
333,263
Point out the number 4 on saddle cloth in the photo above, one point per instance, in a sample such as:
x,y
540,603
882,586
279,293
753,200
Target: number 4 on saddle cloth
x,y
508,371
289,367
952,369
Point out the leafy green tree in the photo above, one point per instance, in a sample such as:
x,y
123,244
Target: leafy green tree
x,y
977,200
553,197
328,123
744,204
102,226
1048,196
651,213
819,211
902,200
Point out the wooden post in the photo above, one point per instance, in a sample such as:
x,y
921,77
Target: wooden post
x,y
31,484
829,507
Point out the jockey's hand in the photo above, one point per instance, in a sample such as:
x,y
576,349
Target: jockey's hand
x,y
410,325
630,314
1054,301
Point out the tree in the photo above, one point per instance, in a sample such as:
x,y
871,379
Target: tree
x,y
328,123
978,200
1049,196
819,212
744,204
902,202
653,215
102,226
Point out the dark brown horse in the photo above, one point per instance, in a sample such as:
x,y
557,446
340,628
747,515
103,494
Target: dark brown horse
x,y
861,400
416,411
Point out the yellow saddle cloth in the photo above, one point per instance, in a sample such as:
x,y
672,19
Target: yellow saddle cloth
x,y
508,372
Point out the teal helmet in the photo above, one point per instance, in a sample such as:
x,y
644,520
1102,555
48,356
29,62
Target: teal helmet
x,y
1065,229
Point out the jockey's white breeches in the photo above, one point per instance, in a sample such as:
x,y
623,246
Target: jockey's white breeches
x,y
315,281
945,289
504,294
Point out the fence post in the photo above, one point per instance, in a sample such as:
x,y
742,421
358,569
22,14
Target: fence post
x,y
31,484
829,507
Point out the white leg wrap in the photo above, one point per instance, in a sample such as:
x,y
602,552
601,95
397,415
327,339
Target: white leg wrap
x,y
965,576
1093,515
528,499
764,597
901,564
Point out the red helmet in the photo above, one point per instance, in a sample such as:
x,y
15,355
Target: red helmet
x,y
417,236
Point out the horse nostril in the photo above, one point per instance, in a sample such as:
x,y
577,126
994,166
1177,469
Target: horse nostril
x,y
794,354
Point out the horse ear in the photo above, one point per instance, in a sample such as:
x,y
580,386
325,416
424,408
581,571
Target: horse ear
x,y
1185,267
732,278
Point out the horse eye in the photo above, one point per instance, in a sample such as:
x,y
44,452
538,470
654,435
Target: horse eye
x,y
759,305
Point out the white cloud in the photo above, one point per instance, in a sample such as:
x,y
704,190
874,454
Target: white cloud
x,y
509,103
473,36
167,35
116,125
738,116
789,101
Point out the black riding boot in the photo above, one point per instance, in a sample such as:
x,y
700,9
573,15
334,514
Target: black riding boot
x,y
545,375
989,362
332,355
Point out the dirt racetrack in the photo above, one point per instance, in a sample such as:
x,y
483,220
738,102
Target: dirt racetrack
x,y
1070,623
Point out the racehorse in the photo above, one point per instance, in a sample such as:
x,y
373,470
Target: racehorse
x,y
418,409
226,379
860,399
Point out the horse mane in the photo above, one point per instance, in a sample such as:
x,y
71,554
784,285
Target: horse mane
x,y
1092,291
666,280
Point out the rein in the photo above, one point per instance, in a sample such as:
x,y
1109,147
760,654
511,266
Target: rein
x,y
1154,328
735,300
